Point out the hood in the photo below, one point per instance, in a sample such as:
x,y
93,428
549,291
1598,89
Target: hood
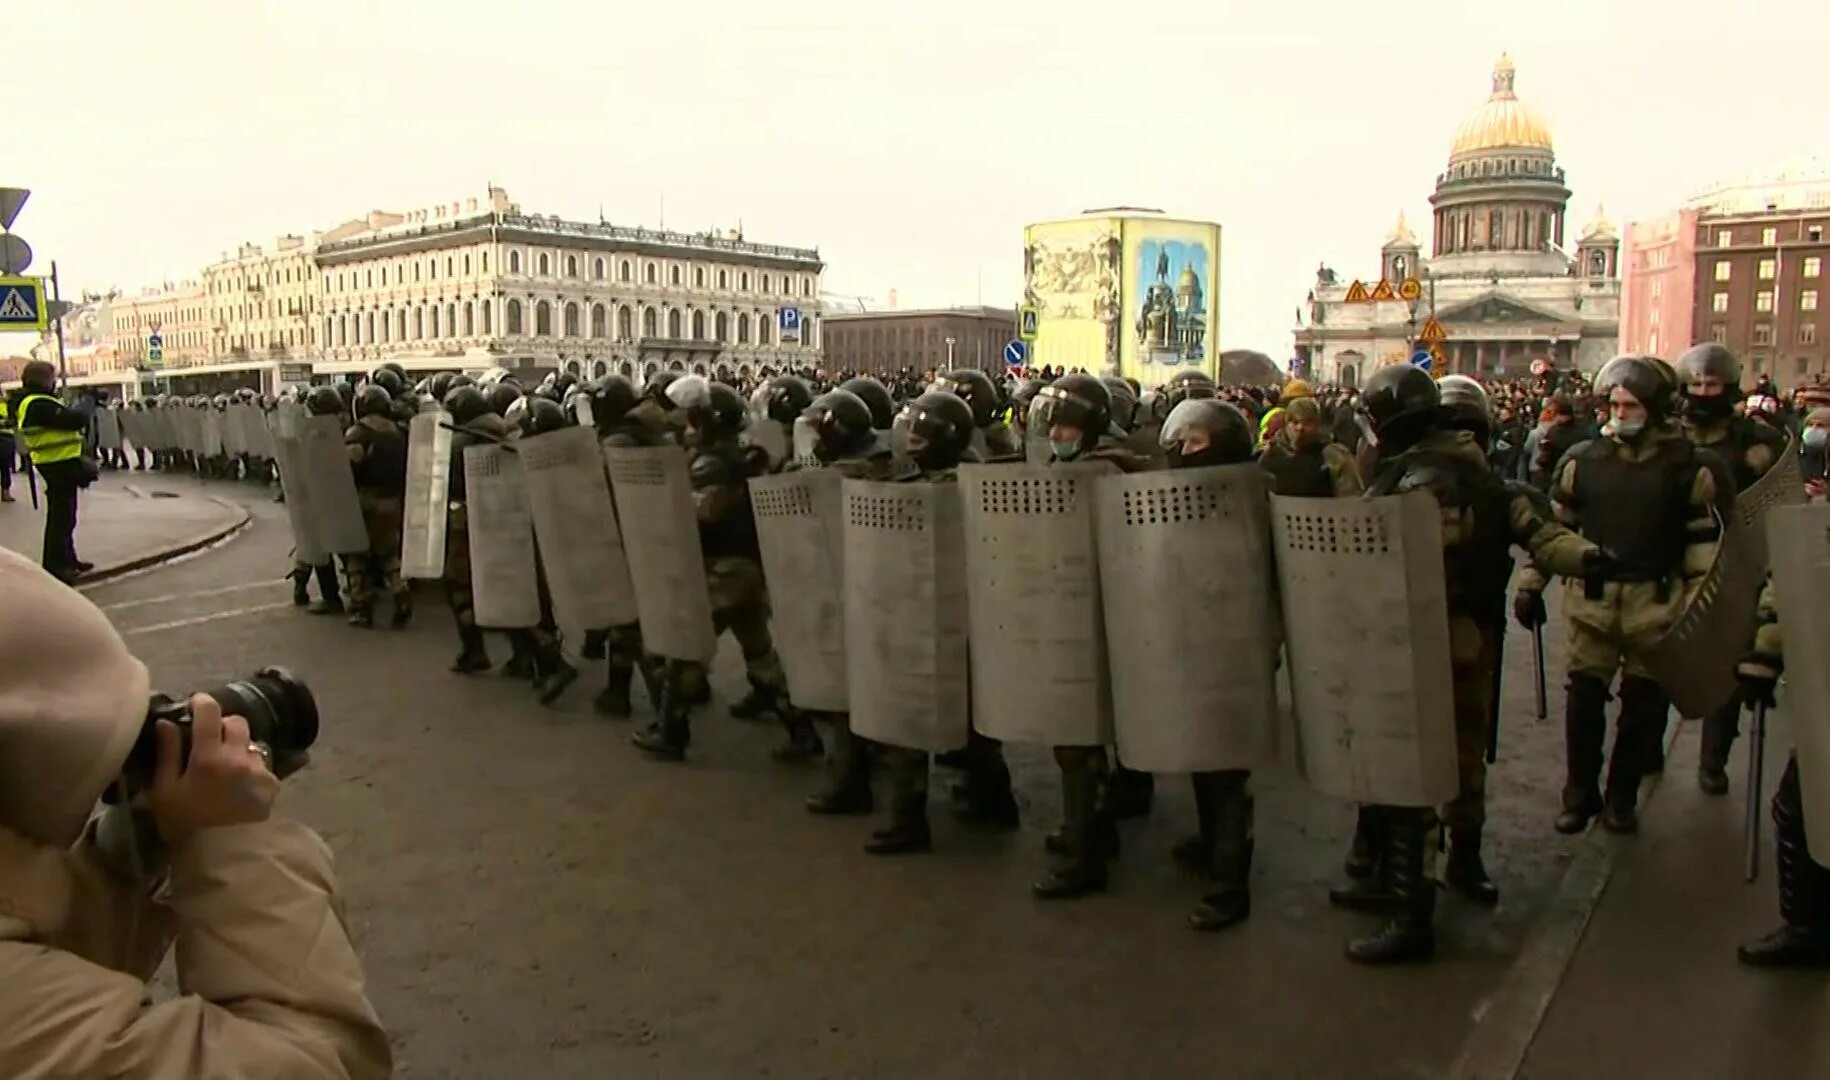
x,y
72,701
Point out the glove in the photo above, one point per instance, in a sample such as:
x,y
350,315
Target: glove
x,y
1528,609
1757,683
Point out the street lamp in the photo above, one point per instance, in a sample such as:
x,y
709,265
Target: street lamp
x,y
950,344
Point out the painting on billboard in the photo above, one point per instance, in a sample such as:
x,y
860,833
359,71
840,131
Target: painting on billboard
x,y
1071,274
1171,298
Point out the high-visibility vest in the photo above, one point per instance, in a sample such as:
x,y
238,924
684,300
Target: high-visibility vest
x,y
48,445
6,417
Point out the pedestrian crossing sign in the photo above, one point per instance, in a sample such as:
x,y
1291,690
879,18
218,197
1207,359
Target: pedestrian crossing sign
x,y
1029,322
22,303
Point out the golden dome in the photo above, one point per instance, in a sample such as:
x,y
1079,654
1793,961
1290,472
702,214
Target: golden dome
x,y
1504,122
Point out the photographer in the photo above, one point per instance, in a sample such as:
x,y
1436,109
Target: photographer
x,y
270,984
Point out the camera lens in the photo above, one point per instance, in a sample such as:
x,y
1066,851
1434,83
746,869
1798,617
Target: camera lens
x,y
279,708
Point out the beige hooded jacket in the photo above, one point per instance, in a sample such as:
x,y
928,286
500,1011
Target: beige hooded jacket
x,y
271,984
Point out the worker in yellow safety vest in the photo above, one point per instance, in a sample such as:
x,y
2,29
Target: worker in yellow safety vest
x,y
53,437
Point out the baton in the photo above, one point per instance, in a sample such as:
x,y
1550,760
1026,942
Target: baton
x,y
1537,659
1756,761
1493,700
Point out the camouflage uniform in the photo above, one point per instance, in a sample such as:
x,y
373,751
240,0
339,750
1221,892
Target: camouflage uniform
x,y
378,456
622,645
458,590
1314,471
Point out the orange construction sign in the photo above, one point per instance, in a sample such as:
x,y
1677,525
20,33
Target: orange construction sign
x,y
1432,331
1383,291
1356,293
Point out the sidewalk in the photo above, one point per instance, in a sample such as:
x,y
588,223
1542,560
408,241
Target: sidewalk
x,y
1654,988
129,520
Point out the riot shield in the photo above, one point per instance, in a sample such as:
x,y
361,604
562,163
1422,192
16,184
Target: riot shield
x,y
1365,614
159,433
906,613
234,434
805,439
797,522
307,546
131,427
186,426
428,501
260,435
1798,539
575,526
1694,661
107,429
1038,637
288,419
502,571
767,436
324,463
1185,574
211,422
654,503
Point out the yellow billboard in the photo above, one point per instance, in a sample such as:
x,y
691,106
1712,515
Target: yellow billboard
x,y
1071,276
1171,292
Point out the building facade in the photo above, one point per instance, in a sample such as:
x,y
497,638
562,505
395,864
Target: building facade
x,y
1499,282
886,342
1658,284
490,282
180,315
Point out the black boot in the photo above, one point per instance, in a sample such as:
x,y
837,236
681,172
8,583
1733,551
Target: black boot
x,y
987,797
1411,933
907,833
597,644
403,610
669,736
326,606
1195,854
1373,892
1129,793
803,743
300,578
613,699
848,767
1804,890
1718,739
554,675
1643,712
521,662
1465,872
1585,727
763,701
474,656
1363,856
1085,828
1230,903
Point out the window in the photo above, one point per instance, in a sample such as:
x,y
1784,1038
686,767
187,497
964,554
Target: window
x,y
1807,334
724,280
743,281
698,277
743,327
698,326
486,270
571,320
764,287
1718,303
400,327
1815,233
470,319
1763,301
648,322
511,316
1763,334
673,321
806,286
673,275
622,271
415,271
419,324
467,265
488,315
1807,300
598,319
1653,321
449,264
1656,290
1767,269
764,328
625,324
722,327
1652,343
545,265
648,273
1769,236
597,270
571,266
1812,265
1724,269
1725,237
543,319
514,262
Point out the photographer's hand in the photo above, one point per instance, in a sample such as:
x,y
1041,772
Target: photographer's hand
x,y
226,781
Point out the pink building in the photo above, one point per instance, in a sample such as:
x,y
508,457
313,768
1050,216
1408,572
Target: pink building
x,y
1658,295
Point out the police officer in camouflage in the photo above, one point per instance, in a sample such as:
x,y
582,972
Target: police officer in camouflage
x,y
378,457
1421,448
320,401
1709,382
995,440
474,422
613,400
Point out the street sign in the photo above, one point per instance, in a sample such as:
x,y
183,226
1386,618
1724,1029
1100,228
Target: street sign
x,y
22,304
791,320
1432,332
12,200
15,254
1029,321
1357,294
1383,290
155,349
1016,354
1410,289
1421,359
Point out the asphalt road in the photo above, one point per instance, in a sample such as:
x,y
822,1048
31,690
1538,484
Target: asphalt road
x,y
533,897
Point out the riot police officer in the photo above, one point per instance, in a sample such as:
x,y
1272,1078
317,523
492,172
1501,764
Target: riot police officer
x,y
319,401
475,422
1198,433
1709,384
876,397
613,398
1642,492
995,441
1421,448
779,403
378,458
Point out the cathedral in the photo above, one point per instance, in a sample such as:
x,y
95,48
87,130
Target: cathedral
x,y
1500,287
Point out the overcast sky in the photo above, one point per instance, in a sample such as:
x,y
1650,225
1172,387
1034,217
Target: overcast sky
x,y
910,146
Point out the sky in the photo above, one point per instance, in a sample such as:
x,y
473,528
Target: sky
x,y
909,146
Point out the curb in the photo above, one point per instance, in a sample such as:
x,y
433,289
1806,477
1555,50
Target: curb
x,y
101,575
1508,1022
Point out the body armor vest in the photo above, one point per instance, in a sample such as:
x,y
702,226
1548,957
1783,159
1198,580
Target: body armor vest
x,y
384,470
734,534
1637,510
1477,569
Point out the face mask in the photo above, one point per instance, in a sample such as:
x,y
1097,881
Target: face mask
x,y
1628,430
1817,438
1713,407
1065,451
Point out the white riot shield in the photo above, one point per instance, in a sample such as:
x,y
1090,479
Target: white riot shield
x,y
1695,661
260,434
189,427
428,501
288,419
212,433
767,436
107,429
906,613
1798,540
234,430
130,421
1036,450
307,545
1038,637
581,546
502,572
158,429
798,525
324,463
654,503
1366,618
1185,573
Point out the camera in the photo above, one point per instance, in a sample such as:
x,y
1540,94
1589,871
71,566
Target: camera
x,y
281,712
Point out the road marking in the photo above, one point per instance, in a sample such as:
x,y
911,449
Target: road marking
x,y
150,600
177,624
